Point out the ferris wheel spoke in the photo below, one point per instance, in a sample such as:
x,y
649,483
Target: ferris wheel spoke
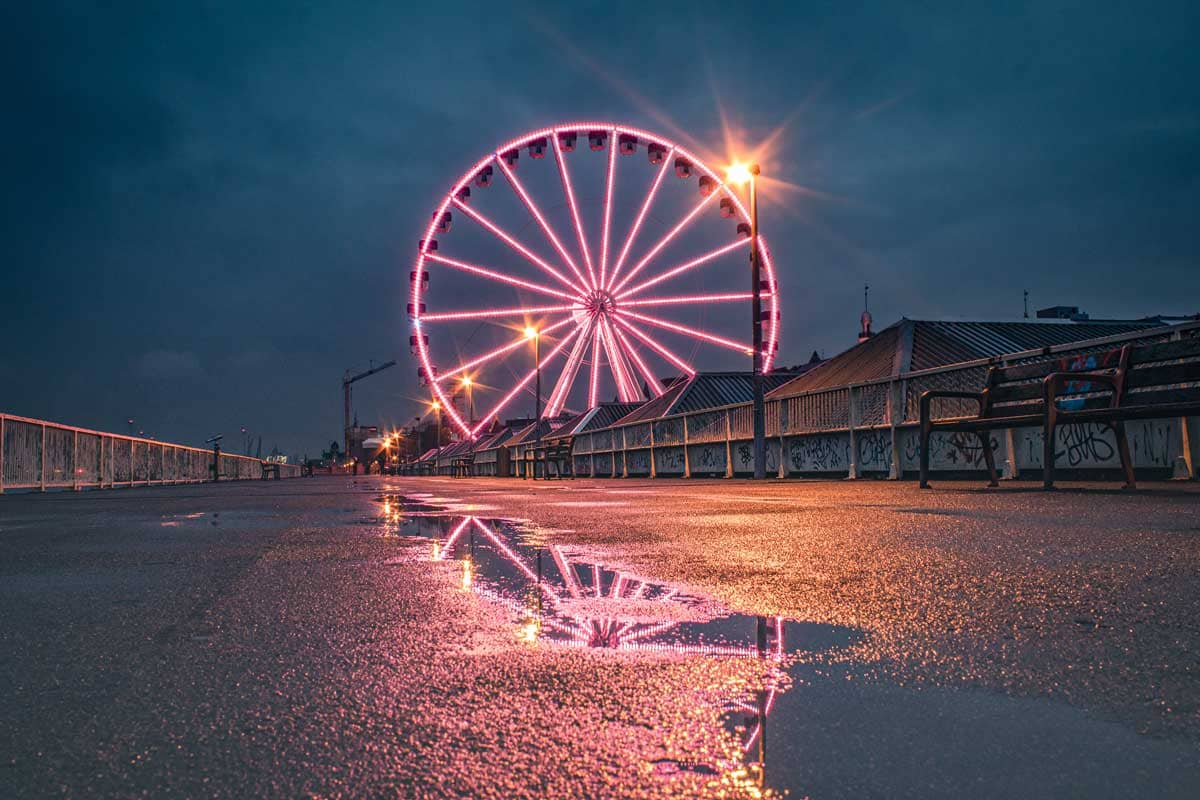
x,y
664,241
562,388
529,376
513,243
690,299
637,222
654,383
570,193
655,345
608,195
499,351
684,267
498,276
617,365
594,382
536,213
686,331
490,313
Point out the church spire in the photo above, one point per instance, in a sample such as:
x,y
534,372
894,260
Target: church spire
x,y
865,319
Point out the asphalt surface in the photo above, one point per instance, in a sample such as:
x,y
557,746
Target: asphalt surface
x,y
334,637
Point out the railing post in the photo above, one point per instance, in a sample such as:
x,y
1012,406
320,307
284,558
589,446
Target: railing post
x,y
728,443
43,487
131,463
75,462
624,454
897,391
852,414
780,405
653,466
1,454
687,457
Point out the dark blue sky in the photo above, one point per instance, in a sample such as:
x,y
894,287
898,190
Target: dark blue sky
x,y
210,209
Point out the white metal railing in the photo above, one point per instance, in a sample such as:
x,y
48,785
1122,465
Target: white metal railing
x,y
38,454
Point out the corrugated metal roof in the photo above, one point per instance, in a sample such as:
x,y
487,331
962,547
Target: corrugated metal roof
x,y
529,431
706,390
939,343
601,416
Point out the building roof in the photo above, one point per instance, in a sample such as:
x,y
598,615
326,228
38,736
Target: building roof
x,y
601,416
911,345
706,390
529,432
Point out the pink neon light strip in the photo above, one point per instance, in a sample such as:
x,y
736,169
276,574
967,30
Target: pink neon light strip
x,y
513,243
637,222
608,194
568,574
594,384
453,538
695,262
664,241
566,181
686,331
500,351
617,365
498,276
655,346
537,215
654,383
566,379
488,313
523,383
690,299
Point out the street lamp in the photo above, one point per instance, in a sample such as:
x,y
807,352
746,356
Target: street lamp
x,y
468,384
739,174
436,405
532,333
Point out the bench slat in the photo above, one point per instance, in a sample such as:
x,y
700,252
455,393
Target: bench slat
x,y
1164,351
1015,391
1164,375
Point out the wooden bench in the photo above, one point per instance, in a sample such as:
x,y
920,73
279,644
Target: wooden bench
x,y
1148,383
270,469
462,466
1138,385
558,453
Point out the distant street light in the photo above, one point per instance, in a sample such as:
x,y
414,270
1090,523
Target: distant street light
x,y
436,405
739,174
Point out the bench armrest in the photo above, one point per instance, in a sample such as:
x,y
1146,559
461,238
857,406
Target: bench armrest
x,y
930,394
1055,382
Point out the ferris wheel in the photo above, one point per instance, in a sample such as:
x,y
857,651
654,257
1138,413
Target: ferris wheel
x,y
619,274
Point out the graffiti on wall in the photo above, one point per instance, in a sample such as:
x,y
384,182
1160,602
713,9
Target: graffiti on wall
x,y
637,462
669,460
874,450
743,456
819,453
1152,443
957,450
708,457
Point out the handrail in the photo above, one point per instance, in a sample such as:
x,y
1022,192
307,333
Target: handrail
x,y
38,454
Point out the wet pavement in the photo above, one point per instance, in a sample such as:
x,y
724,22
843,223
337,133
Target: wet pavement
x,y
431,637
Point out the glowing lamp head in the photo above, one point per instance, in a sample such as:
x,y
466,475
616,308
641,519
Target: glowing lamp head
x,y
531,332
739,173
436,405
466,380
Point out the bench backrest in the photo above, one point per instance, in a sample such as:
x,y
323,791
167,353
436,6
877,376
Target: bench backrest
x,y
1018,389
1146,375
1157,373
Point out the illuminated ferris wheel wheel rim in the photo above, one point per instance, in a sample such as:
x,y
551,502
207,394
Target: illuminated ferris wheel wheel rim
x,y
771,317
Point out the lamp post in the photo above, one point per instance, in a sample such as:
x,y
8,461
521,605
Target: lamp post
x,y
437,407
469,385
739,174
532,333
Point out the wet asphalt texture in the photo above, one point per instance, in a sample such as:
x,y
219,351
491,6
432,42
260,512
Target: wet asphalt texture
x,y
281,639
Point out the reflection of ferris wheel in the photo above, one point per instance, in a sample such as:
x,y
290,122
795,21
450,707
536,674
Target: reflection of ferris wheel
x,y
606,311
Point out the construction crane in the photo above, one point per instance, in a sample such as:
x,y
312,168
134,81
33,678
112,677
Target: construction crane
x,y
347,381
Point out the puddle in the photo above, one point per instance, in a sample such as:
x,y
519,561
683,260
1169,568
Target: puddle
x,y
562,596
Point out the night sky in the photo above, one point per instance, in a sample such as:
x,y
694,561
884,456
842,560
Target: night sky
x,y
211,209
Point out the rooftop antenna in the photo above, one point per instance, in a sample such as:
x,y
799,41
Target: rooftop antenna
x,y
865,319
1026,304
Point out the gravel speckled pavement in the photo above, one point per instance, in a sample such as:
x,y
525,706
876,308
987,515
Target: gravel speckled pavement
x,y
295,638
